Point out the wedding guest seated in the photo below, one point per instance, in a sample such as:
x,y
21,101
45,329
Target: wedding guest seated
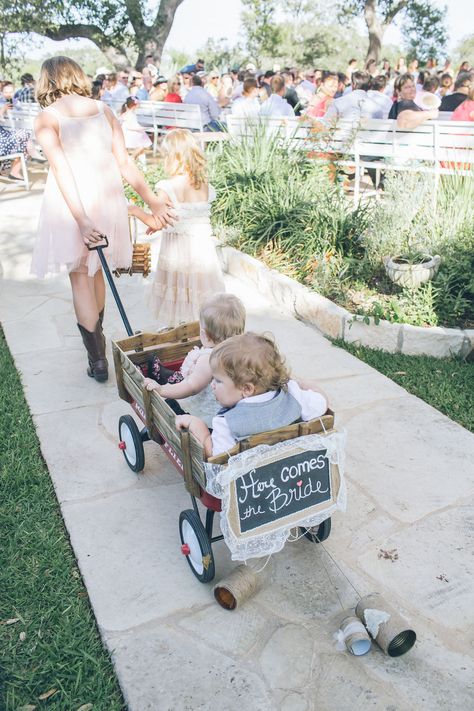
x,y
431,84
461,90
321,100
355,105
15,141
276,105
247,105
445,85
173,95
209,107
160,89
290,92
27,92
378,95
465,110
408,114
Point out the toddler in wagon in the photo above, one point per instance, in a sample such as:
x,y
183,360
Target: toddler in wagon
x,y
221,316
253,385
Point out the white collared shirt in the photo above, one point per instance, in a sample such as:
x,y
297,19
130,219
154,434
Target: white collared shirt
x,y
277,106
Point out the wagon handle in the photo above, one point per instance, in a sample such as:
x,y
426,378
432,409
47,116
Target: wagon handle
x,y
99,249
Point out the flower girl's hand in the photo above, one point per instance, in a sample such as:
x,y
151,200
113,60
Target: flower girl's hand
x,y
152,384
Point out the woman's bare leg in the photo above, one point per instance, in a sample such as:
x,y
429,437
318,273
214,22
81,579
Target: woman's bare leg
x,y
84,299
99,290
16,169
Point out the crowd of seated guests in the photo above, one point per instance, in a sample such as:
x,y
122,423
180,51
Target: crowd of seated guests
x,y
363,90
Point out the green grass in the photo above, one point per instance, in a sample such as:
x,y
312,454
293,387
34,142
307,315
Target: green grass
x,y
55,643
447,384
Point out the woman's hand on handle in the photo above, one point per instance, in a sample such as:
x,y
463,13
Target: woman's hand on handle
x,y
90,235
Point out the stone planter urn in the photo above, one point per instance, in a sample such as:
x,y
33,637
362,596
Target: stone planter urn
x,y
406,272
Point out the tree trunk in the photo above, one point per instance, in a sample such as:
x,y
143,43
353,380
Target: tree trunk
x,y
147,44
115,52
376,30
151,40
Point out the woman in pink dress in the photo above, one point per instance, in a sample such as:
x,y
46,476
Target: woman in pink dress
x,y
465,110
173,96
84,197
321,101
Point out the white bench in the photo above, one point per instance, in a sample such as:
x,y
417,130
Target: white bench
x,y
438,147
21,116
157,117
12,157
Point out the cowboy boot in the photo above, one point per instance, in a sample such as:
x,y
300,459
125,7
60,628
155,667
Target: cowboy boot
x,y
94,342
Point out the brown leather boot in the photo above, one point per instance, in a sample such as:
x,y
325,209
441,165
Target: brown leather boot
x,y
94,341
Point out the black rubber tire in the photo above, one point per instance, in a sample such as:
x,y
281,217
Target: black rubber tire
x,y
319,535
200,559
134,454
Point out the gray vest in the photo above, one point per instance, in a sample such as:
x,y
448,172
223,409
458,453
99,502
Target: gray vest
x,y
250,418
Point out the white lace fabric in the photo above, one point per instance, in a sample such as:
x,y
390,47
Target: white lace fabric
x,y
260,544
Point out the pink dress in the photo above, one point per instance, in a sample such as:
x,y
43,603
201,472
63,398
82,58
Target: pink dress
x,y
87,144
464,112
135,135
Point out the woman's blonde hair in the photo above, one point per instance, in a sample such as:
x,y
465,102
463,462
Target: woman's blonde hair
x,y
222,316
181,154
60,76
172,82
251,358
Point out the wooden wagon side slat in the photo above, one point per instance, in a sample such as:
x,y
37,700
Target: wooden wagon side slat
x,y
119,374
197,459
191,485
184,332
164,419
133,388
326,422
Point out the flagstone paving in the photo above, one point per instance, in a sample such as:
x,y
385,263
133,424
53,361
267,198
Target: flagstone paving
x,y
410,475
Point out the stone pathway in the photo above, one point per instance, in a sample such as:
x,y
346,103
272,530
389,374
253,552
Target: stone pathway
x,y
410,476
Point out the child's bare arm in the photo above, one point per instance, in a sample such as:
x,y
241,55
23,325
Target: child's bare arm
x,y
198,428
193,384
143,216
308,385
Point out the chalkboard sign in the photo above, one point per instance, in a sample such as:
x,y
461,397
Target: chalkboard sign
x,y
288,486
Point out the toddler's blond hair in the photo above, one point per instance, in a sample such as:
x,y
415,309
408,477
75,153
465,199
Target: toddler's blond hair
x,y
182,154
251,358
222,316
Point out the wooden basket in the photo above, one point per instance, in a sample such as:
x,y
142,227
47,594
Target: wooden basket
x,y
141,257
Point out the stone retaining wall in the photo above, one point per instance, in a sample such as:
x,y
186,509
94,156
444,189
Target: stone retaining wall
x,y
336,322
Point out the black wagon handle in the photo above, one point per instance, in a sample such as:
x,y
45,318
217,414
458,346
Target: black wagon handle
x,y
99,249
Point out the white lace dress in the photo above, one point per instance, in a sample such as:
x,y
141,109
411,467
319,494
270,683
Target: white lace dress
x,y
188,270
203,404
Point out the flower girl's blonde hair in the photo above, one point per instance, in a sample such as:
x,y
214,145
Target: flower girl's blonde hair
x,y
181,154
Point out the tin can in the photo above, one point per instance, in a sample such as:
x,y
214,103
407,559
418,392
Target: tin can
x,y
392,633
356,637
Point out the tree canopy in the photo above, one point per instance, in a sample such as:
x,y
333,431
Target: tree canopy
x,y
121,29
